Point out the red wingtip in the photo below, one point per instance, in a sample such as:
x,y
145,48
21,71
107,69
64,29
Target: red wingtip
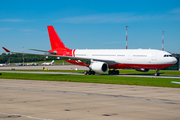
x,y
6,49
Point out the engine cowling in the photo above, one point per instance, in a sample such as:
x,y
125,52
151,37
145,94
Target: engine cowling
x,y
99,66
142,70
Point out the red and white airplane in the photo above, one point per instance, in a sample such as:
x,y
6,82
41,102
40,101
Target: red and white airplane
x,y
102,60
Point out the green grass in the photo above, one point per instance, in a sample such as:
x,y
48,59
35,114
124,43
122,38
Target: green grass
x,y
106,79
128,72
151,72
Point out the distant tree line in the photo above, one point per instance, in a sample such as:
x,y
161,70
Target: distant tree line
x,y
18,58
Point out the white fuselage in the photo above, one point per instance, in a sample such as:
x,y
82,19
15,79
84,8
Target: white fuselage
x,y
134,58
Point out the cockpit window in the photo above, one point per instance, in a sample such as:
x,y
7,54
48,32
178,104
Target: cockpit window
x,y
168,55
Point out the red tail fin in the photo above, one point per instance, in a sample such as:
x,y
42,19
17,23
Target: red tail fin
x,y
56,43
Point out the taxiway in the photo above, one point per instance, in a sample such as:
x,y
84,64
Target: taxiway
x,y
68,67
40,67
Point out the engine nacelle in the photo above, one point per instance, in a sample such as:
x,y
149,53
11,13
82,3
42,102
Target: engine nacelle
x,y
99,66
142,70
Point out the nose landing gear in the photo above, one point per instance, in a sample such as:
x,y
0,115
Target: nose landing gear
x,y
157,74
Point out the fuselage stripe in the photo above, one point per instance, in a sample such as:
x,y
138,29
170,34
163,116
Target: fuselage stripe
x,y
74,52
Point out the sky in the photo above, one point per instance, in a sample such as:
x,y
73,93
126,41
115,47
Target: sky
x,y
90,24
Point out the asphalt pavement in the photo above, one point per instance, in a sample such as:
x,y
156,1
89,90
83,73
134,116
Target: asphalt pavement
x,y
51,100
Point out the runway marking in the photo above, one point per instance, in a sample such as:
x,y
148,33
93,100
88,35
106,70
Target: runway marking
x,y
97,95
175,82
19,115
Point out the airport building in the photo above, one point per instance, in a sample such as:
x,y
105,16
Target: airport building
x,y
175,66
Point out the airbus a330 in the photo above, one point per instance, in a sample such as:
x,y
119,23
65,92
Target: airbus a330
x,y
108,59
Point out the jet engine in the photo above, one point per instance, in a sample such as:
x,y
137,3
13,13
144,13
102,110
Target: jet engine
x,y
99,66
142,70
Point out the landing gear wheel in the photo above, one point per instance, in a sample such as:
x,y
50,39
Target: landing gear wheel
x,y
117,72
110,72
90,72
85,72
113,72
157,74
93,72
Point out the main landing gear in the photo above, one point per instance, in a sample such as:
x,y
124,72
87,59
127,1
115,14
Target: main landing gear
x,y
89,72
113,72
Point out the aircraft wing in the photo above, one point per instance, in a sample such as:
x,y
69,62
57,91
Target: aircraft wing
x,y
109,62
24,53
62,57
40,50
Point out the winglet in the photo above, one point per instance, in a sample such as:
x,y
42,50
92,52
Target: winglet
x,y
6,49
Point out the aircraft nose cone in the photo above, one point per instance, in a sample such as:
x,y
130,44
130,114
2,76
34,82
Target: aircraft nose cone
x,y
174,60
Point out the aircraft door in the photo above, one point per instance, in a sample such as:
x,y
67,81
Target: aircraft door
x,y
154,57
